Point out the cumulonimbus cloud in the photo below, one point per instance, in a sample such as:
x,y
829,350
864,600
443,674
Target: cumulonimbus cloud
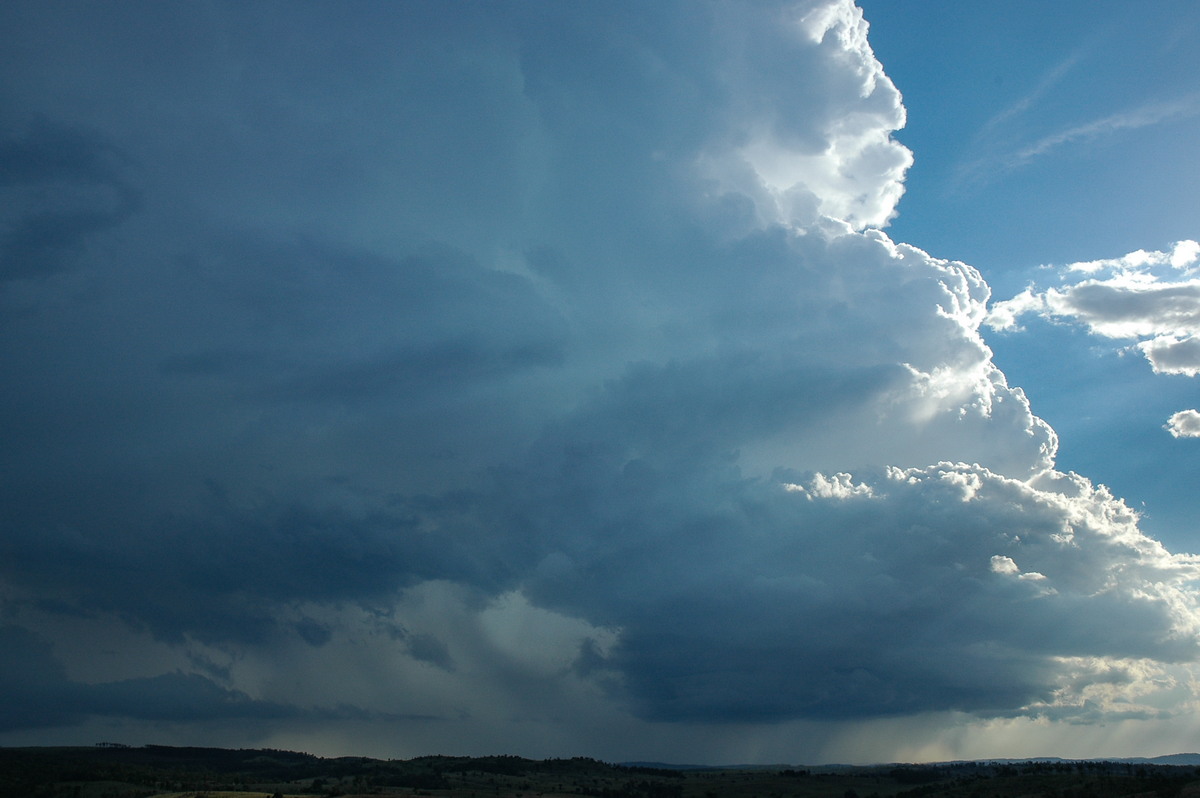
x,y
621,375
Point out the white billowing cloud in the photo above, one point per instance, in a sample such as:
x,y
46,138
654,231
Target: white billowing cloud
x,y
1151,298
1185,424
1171,354
609,407
1004,565
838,161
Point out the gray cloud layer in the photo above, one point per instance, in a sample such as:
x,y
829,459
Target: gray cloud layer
x,y
496,361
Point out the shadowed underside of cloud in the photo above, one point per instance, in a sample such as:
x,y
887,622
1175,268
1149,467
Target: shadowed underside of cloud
x,y
60,186
841,599
48,698
612,397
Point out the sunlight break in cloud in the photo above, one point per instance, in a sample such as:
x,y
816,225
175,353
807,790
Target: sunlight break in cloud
x,y
533,379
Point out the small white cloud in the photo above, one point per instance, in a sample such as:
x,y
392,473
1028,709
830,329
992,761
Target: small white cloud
x,y
839,486
1170,354
1004,315
1185,424
1004,565
1185,254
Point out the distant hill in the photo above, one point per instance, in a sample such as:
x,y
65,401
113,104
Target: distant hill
x,y
1183,760
1170,759
114,771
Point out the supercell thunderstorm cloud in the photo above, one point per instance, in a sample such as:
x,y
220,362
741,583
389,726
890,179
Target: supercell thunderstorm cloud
x,y
532,377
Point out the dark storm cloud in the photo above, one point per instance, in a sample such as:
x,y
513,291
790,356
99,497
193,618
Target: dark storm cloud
x,y
461,356
313,633
273,339
742,601
61,187
33,680
312,322
49,152
37,692
219,576
427,648
173,696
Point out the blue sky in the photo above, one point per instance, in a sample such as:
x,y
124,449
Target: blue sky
x,y
605,379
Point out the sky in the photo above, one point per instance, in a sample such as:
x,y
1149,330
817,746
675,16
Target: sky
x,y
786,382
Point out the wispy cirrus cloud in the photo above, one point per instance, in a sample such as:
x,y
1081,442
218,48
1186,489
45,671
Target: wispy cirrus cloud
x,y
1048,81
1004,142
1003,156
1142,116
